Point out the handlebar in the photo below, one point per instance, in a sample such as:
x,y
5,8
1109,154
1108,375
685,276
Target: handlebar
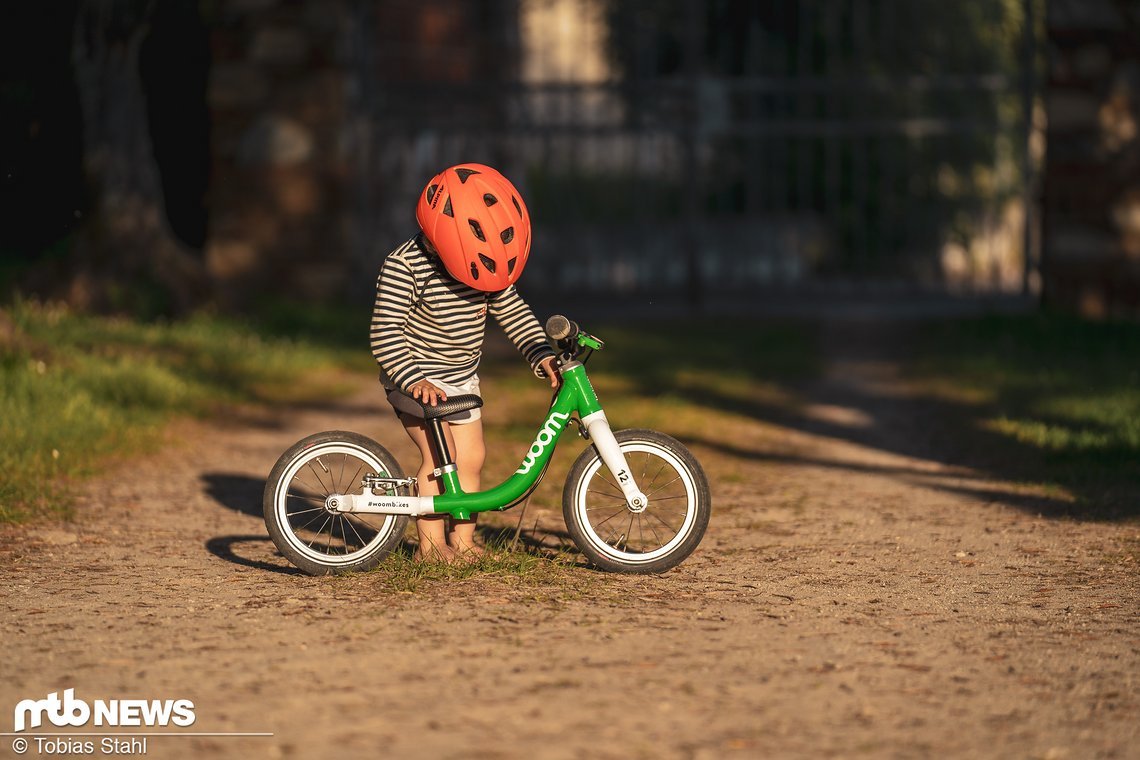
x,y
569,338
559,328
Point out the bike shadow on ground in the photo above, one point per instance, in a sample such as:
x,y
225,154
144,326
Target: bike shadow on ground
x,y
232,549
241,493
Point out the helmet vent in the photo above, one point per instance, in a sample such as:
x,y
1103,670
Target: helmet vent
x,y
515,201
487,262
474,271
465,174
507,235
447,207
489,199
511,265
477,230
431,192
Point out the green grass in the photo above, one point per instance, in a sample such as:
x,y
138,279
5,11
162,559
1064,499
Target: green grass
x,y
80,390
1060,395
516,568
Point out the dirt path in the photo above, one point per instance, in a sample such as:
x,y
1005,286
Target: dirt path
x,y
849,600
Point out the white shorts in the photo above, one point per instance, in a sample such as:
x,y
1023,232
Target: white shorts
x,y
405,404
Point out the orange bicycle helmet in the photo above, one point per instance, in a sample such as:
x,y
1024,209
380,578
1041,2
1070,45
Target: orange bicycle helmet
x,y
477,222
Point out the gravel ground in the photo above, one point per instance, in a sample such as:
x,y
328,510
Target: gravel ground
x,y
858,593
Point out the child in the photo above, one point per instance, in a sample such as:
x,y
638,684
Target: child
x,y
432,299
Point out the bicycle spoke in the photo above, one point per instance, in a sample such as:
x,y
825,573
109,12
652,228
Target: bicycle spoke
x,y
343,535
656,535
657,517
316,475
657,475
673,509
362,519
610,483
318,531
317,499
619,499
355,532
603,522
306,511
299,479
355,480
339,481
662,488
312,520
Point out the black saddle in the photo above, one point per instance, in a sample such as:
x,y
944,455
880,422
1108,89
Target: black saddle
x,y
453,405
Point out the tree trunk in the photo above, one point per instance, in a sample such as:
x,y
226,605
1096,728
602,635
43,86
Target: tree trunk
x,y
126,257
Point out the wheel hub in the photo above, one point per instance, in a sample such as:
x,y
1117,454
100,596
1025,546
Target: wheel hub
x,y
638,504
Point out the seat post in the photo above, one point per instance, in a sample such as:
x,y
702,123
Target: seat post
x,y
447,472
439,441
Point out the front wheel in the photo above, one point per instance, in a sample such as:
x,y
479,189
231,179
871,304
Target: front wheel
x,y
616,538
316,539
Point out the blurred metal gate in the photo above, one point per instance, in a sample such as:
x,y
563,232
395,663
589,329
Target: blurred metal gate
x,y
688,148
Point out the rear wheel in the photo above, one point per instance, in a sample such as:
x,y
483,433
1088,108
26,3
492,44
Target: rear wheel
x,y
307,533
620,539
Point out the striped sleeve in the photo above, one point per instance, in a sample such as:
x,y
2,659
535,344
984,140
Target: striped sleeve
x,y
395,297
518,322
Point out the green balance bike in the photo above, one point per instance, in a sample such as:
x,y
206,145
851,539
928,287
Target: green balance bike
x,y
635,501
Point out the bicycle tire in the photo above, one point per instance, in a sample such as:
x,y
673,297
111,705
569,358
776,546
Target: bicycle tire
x,y
293,503
667,532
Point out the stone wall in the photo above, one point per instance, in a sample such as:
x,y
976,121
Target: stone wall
x,y
295,87
1091,204
277,103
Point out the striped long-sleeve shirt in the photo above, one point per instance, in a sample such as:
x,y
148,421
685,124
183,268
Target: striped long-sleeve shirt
x,y
427,324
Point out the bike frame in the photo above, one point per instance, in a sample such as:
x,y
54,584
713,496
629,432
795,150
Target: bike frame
x,y
576,396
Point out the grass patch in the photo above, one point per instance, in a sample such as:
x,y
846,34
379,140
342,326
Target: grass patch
x,y
1059,396
78,389
512,568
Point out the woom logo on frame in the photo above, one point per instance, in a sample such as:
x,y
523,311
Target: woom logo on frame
x,y
554,423
69,711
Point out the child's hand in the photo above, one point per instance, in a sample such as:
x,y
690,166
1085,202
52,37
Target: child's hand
x,y
427,393
549,369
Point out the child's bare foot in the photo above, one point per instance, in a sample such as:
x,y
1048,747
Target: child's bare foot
x,y
433,553
465,552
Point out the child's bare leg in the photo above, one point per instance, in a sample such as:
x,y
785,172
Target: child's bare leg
x,y
466,442
431,531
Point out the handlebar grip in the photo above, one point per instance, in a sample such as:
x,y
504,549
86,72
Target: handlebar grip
x,y
560,328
